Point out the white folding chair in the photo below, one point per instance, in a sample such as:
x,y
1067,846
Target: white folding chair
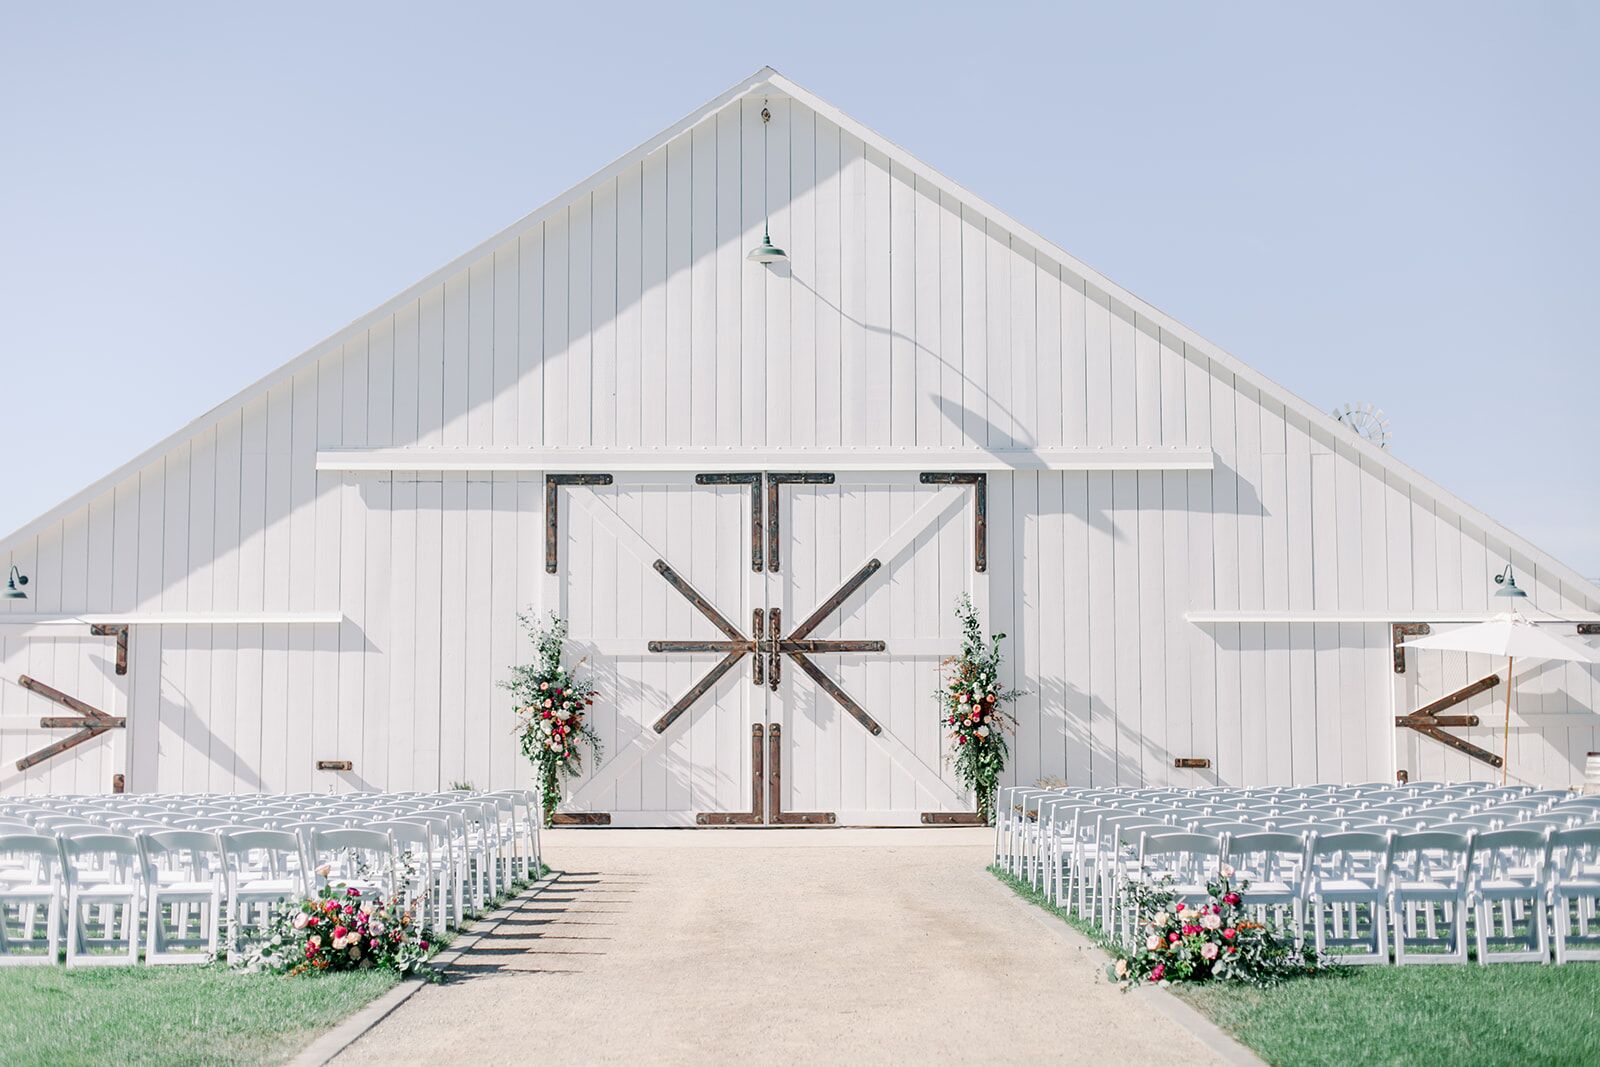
x,y
1273,864
264,868
477,848
183,876
1183,860
1428,880
416,873
1346,872
115,894
1509,867
360,859
32,883
1574,892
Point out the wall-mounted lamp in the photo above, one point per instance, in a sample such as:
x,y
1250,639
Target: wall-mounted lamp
x,y
1507,582
14,583
766,251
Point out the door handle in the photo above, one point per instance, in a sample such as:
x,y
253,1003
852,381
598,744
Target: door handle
x,y
774,657
758,618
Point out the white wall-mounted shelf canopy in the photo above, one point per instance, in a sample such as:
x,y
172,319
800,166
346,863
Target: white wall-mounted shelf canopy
x,y
48,625
556,460
1207,618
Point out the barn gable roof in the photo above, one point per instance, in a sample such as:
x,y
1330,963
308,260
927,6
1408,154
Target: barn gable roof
x,y
770,81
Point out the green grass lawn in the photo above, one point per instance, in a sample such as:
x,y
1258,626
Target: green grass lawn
x,y
1427,1016
176,1015
1418,1016
170,1015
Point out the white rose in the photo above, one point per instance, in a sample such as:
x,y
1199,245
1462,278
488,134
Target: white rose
x,y
1211,922
983,731
367,908
1227,871
1153,943
1160,919
376,928
546,725
300,920
563,714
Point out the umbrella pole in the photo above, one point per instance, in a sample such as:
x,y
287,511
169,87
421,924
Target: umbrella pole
x,y
1505,744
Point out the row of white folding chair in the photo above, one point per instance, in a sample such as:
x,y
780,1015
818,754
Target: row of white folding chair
x,y
1066,862
119,876
1412,883
513,825
116,876
1016,828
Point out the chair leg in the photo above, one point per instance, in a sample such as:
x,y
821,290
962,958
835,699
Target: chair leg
x,y
1563,925
154,931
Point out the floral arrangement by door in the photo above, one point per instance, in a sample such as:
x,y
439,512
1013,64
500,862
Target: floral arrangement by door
x,y
973,704
553,703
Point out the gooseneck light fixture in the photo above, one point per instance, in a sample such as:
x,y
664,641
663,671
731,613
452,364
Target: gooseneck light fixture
x,y
766,251
14,583
1507,581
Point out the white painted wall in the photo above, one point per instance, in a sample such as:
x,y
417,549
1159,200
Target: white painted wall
x,y
907,318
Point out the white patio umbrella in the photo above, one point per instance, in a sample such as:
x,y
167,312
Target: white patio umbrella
x,y
1513,636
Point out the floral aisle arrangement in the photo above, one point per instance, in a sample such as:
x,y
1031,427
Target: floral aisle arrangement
x,y
341,930
1198,942
552,711
973,701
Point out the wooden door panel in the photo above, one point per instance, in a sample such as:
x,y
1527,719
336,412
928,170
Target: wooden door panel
x,y
639,548
917,535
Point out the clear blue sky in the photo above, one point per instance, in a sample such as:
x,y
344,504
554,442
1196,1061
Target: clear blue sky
x,y
1397,203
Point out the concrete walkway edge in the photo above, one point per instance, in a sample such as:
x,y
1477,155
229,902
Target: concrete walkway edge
x,y
1205,1031
323,1050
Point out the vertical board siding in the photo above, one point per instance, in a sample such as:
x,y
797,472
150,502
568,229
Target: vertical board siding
x,y
904,318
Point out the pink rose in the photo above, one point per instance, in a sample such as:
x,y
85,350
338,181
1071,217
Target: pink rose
x,y
1231,898
1160,969
1230,933
1178,908
1209,950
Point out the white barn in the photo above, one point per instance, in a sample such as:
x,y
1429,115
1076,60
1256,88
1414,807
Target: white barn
x,y
316,584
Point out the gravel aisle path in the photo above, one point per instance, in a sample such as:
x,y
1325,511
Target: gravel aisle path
x,y
781,946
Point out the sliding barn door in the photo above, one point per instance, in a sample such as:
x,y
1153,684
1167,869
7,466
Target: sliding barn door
x,y
873,565
662,561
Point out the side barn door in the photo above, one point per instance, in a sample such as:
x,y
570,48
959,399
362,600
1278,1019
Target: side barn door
x,y
63,701
654,574
868,567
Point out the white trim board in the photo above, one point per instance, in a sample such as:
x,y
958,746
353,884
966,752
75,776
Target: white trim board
x,y
713,459
1206,618
179,618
